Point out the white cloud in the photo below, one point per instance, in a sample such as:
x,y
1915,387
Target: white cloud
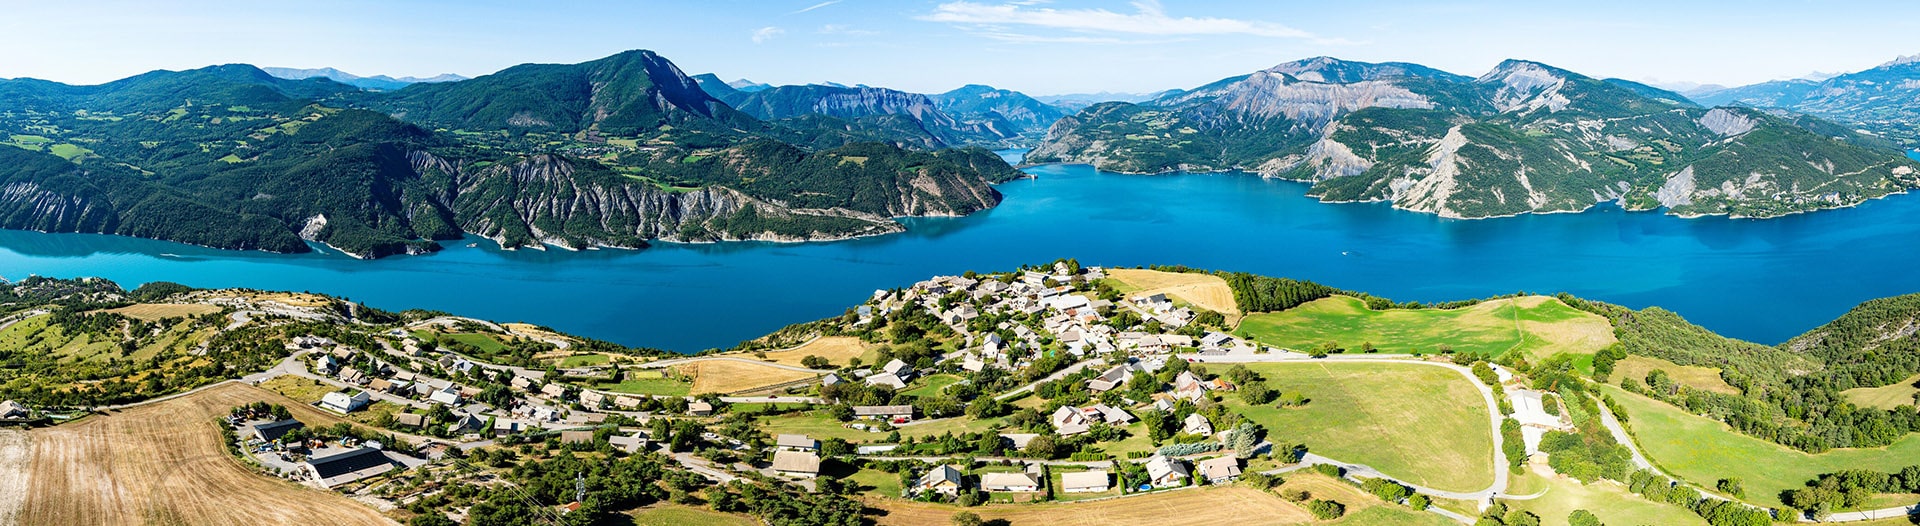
x,y
766,33
1148,18
817,6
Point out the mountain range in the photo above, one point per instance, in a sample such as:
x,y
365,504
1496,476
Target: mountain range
x,y
1525,137
972,115
1884,100
378,82
612,152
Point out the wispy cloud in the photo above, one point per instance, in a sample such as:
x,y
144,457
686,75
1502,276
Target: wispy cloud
x,y
1148,18
766,33
817,6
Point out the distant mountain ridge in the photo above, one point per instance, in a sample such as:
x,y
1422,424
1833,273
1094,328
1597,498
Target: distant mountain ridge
x,y
1525,137
971,115
379,82
1884,99
613,152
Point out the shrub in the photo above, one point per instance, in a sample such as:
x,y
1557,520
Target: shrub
x,y
1327,509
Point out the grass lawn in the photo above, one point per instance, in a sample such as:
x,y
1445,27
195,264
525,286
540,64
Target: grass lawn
x,y
298,388
1062,496
1362,508
583,360
932,385
1886,397
648,382
876,483
1704,378
817,425
956,425
1537,325
485,342
1703,451
1610,501
1419,423
677,515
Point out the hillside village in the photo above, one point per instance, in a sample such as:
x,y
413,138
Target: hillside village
x,y
1058,383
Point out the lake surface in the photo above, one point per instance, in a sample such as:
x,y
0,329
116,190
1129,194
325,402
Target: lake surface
x,y
1762,280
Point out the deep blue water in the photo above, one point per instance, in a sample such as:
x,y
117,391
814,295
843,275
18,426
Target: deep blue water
x,y
1763,280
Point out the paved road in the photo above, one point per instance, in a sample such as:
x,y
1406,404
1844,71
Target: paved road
x,y
17,318
1062,373
678,361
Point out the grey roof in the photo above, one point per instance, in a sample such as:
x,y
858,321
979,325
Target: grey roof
x,y
943,473
347,462
799,441
1084,479
274,430
1220,467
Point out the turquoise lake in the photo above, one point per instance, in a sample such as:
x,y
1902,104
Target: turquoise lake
x,y
1762,280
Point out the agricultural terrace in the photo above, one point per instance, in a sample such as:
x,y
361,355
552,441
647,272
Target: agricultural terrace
x,y
1418,423
1205,291
160,311
837,350
732,376
663,382
1537,325
1703,451
165,463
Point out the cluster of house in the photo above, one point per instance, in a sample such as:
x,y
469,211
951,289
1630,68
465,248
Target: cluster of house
x,y
950,480
1069,420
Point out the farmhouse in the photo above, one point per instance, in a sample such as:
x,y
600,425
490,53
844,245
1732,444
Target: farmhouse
x,y
341,467
898,414
796,443
1084,482
344,403
1163,472
943,479
802,464
1010,482
1220,470
272,431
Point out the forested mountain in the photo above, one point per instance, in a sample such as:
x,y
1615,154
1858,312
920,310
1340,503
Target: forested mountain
x,y
1021,114
823,114
377,82
612,152
1525,137
1884,100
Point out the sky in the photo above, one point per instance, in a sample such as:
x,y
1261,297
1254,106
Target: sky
x,y
1037,46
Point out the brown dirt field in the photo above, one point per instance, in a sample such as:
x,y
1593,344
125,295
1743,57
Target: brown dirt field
x,y
836,349
1202,290
16,449
164,463
1703,378
155,311
1207,506
728,376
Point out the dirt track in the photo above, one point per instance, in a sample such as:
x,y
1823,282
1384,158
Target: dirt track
x,y
163,463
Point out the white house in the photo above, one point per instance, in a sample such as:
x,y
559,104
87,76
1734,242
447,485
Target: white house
x,y
803,464
1197,425
1163,472
942,479
1009,482
1220,470
1069,421
449,395
345,403
1084,482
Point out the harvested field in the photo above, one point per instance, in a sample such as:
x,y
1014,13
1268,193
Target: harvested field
x,y
1214,505
156,311
16,449
1537,325
165,463
836,349
1702,378
731,376
1202,290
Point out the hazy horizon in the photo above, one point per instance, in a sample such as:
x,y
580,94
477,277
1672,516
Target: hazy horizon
x,y
1037,46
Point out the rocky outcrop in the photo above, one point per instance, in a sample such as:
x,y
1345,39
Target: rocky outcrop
x,y
1725,122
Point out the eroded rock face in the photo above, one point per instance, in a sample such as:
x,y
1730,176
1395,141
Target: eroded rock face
x,y
1725,122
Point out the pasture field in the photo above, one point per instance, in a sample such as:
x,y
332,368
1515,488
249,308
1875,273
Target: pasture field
x,y
1419,423
648,382
1703,378
157,311
679,514
1703,451
1607,500
932,385
729,376
165,463
1538,325
1885,397
836,349
485,342
1206,291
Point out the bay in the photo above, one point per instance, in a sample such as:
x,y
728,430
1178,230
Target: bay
x,y
1762,280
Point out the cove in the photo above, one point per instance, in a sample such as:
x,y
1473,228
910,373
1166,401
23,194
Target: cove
x,y
1761,280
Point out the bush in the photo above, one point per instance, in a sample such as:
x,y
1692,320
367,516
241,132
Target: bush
x,y
1387,490
1419,502
1295,495
1583,518
1327,510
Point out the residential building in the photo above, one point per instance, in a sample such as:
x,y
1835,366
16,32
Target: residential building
x,y
1085,482
889,380
577,436
802,464
699,408
1009,482
1197,425
898,414
943,479
449,395
1163,472
1113,378
11,410
1069,421
796,443
410,419
631,443
344,403
1220,470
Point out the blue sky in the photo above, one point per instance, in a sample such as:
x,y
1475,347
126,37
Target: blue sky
x,y
1042,47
